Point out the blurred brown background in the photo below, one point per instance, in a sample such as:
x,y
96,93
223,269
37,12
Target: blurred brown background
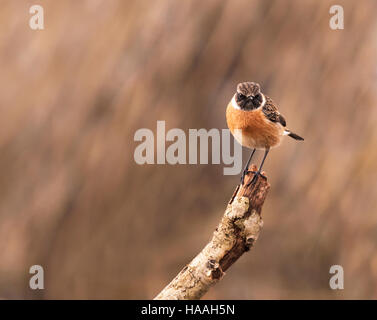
x,y
73,200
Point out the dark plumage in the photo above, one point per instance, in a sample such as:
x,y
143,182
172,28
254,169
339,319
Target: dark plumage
x,y
248,96
248,88
272,113
295,136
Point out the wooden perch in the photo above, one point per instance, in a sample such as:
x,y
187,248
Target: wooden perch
x,y
237,232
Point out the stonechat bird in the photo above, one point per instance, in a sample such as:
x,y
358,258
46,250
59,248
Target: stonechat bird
x,y
255,122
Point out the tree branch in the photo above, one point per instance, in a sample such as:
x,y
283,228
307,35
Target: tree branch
x,y
237,232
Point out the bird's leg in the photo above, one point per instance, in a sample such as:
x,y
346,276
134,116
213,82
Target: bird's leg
x,y
258,173
264,158
246,169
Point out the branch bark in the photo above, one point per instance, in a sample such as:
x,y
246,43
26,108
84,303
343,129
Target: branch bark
x,y
236,233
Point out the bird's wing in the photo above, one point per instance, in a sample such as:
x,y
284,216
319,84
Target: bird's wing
x,y
272,113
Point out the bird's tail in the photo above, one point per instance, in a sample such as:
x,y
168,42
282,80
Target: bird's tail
x,y
293,135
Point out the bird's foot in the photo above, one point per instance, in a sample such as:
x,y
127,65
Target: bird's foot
x,y
244,173
255,177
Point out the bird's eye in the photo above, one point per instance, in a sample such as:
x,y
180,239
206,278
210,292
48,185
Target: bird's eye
x,y
240,96
258,97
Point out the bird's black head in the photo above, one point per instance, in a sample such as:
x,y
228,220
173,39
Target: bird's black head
x,y
248,96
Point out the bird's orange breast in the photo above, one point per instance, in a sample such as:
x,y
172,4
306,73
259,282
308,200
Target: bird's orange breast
x,y
257,131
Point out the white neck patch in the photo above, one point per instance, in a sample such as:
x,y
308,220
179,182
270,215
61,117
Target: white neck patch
x,y
263,100
234,103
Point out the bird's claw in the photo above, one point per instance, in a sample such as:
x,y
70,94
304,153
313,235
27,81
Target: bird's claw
x,y
255,177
